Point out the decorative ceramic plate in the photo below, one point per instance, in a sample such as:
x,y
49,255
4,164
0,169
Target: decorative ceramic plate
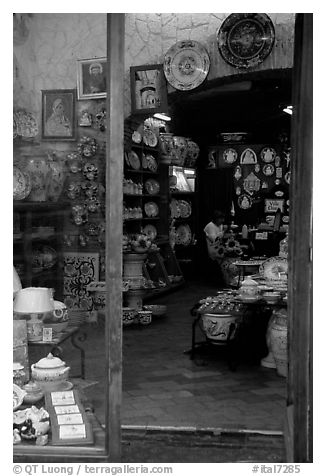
x,y
150,138
186,65
175,208
151,209
274,268
268,154
152,186
26,124
22,184
18,396
185,208
230,156
246,39
248,156
150,231
183,235
151,163
268,170
134,160
136,137
244,201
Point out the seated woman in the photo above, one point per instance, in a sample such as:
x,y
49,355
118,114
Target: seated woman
x,y
213,231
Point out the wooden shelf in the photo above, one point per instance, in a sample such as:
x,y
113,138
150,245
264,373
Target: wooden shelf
x,y
141,171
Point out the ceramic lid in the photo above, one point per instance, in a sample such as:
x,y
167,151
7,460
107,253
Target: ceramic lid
x,y
49,362
17,366
32,387
249,282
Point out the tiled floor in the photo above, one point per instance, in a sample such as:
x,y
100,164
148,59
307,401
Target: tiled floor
x,y
163,387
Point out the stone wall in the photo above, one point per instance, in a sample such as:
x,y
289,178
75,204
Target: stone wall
x,y
47,57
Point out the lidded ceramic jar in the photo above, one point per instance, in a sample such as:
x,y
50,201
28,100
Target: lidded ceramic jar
x,y
249,288
49,371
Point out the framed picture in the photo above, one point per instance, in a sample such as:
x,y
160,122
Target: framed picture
x,y
59,114
148,89
91,78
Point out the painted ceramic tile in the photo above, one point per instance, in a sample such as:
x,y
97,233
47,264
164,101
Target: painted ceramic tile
x,y
80,269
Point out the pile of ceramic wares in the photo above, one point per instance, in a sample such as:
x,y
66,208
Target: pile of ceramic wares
x,y
178,150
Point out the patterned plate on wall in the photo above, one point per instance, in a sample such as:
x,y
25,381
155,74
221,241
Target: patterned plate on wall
x,y
186,65
151,209
150,231
246,39
134,160
152,186
175,208
22,184
185,208
183,235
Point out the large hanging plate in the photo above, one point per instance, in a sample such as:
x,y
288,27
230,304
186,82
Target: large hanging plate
x,y
246,39
186,65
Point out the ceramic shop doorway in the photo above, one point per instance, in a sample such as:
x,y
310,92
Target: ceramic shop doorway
x,y
299,434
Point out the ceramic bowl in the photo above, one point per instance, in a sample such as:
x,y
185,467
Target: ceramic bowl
x,y
128,316
156,309
144,317
34,393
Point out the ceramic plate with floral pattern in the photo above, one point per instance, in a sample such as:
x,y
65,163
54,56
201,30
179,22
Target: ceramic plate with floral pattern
x,y
150,138
246,39
150,231
185,208
186,65
183,235
134,160
268,154
152,186
151,163
274,268
151,209
22,184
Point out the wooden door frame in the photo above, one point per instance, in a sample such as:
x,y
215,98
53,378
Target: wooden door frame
x,y
298,431
113,239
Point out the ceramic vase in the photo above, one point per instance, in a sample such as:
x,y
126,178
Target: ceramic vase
x,y
279,342
134,298
133,264
166,146
192,153
217,326
57,181
269,360
40,172
180,150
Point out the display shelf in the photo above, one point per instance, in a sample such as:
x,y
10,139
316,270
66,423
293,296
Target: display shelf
x,y
31,215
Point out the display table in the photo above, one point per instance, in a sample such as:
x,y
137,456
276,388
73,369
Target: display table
x,y
76,336
240,326
27,451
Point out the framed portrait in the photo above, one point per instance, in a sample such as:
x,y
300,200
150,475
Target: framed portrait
x,y
91,78
59,114
148,89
